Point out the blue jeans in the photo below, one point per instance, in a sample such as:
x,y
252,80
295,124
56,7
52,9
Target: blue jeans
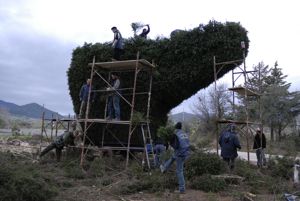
x,y
179,170
159,150
114,107
261,158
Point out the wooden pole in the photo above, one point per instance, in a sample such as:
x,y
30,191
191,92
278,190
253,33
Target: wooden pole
x,y
132,108
87,114
216,105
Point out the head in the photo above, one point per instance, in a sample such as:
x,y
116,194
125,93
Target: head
x,y
88,81
114,29
114,76
73,125
258,130
231,127
144,30
178,125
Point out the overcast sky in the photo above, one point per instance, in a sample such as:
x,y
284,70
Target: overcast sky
x,y
37,37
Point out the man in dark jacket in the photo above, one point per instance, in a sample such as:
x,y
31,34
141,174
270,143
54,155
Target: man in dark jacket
x,y
181,146
260,144
66,139
145,32
229,143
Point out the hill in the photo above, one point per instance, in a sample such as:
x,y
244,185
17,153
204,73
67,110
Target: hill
x,y
31,110
183,117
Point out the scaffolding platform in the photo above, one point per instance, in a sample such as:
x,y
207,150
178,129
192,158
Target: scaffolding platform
x,y
225,121
107,121
126,65
243,91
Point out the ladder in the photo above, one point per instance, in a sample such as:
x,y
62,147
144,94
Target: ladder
x,y
150,156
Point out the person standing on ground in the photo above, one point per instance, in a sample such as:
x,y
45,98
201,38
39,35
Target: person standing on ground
x,y
145,32
83,97
117,44
229,143
181,146
260,144
114,99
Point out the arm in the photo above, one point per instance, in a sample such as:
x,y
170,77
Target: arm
x,y
116,38
116,84
148,29
81,93
237,142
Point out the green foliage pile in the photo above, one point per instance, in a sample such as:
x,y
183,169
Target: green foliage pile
x,y
208,183
201,163
165,132
281,167
23,182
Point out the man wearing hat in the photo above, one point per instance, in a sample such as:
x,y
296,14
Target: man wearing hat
x,y
260,144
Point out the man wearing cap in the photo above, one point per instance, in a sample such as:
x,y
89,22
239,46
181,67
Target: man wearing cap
x,y
260,144
117,43
229,143
181,146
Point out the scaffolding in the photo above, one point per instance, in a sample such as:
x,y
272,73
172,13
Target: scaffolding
x,y
102,69
53,125
244,126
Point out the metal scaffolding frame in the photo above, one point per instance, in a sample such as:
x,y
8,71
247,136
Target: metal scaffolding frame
x,y
54,124
133,66
245,127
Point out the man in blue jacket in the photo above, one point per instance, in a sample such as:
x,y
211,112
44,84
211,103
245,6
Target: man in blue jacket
x,y
229,143
181,146
83,97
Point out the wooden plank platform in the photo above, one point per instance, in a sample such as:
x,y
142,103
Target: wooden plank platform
x,y
226,121
243,91
107,121
126,65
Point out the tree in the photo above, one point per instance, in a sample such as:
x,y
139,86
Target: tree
x,y
210,104
278,105
183,66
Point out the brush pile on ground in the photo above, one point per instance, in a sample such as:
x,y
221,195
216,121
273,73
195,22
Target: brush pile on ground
x,y
106,179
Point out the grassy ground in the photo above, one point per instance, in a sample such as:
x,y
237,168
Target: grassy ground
x,y
104,178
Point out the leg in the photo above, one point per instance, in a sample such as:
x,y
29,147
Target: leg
x,y
258,156
110,107
168,163
82,108
58,154
47,149
263,156
231,163
179,172
116,104
117,53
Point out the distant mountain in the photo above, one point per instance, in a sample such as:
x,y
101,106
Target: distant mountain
x,y
31,110
183,117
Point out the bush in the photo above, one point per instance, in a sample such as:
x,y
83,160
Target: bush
x,y
204,163
208,183
23,182
73,170
281,167
244,169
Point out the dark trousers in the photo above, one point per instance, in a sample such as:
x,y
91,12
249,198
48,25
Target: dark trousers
x,y
230,162
117,53
51,147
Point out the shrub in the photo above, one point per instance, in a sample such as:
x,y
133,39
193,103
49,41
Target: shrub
x,y
208,183
23,181
204,163
281,167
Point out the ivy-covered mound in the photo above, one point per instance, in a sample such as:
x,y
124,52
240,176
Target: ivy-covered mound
x,y
184,66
